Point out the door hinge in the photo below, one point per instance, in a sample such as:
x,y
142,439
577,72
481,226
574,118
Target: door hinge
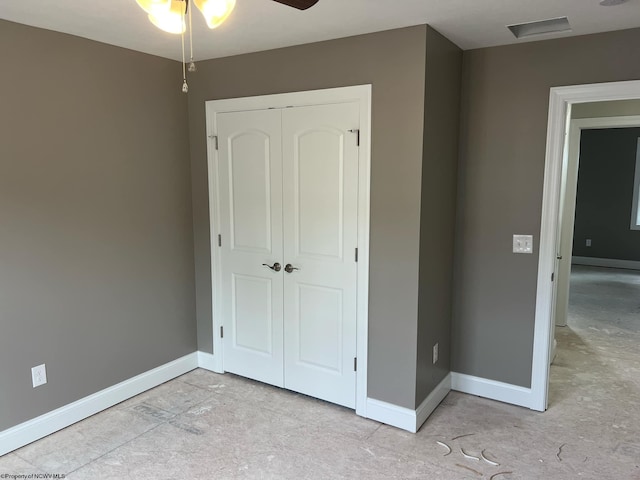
x,y
221,332
357,132
355,364
219,240
356,255
553,275
215,140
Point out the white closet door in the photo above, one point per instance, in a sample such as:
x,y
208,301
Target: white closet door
x,y
250,172
320,191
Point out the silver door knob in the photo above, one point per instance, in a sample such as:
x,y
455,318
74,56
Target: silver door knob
x,y
276,266
290,268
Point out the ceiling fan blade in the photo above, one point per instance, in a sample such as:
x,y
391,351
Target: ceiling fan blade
x,y
299,4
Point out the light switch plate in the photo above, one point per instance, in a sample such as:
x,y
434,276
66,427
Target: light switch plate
x,y
523,244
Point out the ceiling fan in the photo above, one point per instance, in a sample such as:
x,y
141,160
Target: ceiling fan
x,y
299,4
170,16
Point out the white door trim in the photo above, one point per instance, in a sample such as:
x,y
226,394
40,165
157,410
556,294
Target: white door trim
x,y
359,93
560,101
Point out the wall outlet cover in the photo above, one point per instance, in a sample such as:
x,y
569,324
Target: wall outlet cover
x,y
39,375
435,353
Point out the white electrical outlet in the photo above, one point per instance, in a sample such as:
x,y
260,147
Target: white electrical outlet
x,y
588,242
523,244
435,353
39,375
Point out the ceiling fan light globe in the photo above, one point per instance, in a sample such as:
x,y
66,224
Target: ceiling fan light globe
x,y
153,7
215,12
172,20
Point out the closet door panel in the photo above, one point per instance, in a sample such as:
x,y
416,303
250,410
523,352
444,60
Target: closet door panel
x,y
250,173
320,170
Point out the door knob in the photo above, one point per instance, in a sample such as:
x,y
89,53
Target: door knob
x,y
276,266
290,268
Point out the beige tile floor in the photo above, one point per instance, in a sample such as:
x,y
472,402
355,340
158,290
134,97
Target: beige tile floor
x,y
208,426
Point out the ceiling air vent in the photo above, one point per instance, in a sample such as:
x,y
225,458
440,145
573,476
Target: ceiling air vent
x,y
612,3
553,25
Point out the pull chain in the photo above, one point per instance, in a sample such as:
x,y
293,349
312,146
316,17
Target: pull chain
x,y
192,65
185,87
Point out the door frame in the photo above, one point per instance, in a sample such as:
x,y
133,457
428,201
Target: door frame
x,y
359,93
560,101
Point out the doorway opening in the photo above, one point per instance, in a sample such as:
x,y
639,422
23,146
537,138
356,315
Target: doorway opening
x,y
597,326
561,101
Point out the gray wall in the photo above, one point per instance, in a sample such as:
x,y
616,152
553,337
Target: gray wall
x,y
394,63
437,212
504,111
96,255
605,194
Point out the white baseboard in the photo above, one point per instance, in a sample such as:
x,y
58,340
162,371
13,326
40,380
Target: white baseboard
x,y
405,418
207,361
400,417
606,262
391,414
430,403
503,392
32,430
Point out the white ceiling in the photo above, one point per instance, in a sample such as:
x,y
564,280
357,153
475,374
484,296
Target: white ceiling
x,y
263,24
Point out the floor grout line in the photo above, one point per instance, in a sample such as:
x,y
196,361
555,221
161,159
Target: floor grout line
x,y
15,452
116,448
